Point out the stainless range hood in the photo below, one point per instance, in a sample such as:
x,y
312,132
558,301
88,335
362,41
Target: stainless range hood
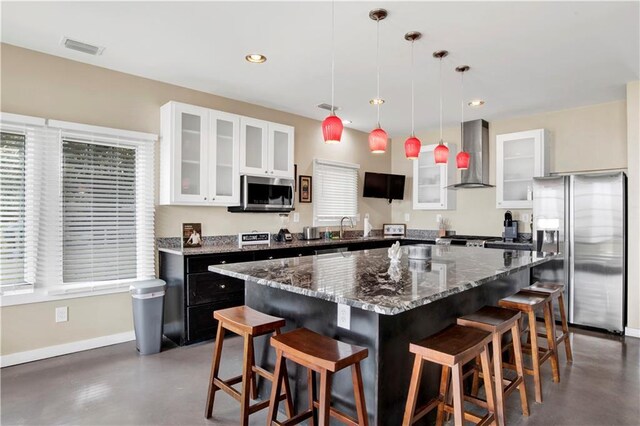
x,y
476,143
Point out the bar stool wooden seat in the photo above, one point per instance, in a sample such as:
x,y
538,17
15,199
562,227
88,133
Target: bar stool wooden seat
x,y
248,323
325,356
528,303
556,291
499,321
451,348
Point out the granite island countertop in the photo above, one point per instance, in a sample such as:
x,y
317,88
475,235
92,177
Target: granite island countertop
x,y
367,280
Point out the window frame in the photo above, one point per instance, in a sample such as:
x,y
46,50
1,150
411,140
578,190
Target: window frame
x,y
316,191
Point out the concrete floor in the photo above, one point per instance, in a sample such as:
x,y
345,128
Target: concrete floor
x,y
115,386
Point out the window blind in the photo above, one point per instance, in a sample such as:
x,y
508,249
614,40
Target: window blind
x,y
335,191
12,209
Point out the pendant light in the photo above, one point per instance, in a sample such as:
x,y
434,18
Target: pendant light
x,y
412,145
378,137
462,159
441,153
332,125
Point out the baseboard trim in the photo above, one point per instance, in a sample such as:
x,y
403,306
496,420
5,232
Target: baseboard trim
x,y
633,332
66,348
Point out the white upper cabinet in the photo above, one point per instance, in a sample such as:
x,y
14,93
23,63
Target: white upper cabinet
x,y
199,156
266,148
430,180
520,157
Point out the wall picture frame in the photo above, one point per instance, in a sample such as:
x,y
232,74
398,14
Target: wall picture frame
x,y
305,194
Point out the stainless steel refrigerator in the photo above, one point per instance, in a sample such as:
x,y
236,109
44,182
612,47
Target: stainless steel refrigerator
x,y
588,211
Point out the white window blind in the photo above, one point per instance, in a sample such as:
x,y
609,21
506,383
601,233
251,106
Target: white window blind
x,y
12,208
335,191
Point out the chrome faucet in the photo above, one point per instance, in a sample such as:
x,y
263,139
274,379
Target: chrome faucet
x,y
341,225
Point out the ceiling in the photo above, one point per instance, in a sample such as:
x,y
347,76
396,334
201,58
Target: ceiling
x,y
525,57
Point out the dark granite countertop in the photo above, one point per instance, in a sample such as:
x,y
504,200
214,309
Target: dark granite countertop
x,y
366,280
230,247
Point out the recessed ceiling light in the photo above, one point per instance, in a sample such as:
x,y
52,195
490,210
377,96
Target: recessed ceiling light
x,y
376,101
255,58
346,121
476,103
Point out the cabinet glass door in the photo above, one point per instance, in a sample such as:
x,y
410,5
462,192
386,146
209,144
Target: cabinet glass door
x,y
253,146
281,151
224,173
191,154
429,179
518,168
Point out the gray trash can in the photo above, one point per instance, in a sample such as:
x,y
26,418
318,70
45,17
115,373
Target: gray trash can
x,y
148,301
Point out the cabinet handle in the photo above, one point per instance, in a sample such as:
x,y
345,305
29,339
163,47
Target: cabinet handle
x,y
223,286
205,198
272,172
300,255
266,171
224,261
270,257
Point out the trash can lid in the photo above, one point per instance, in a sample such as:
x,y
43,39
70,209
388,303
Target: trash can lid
x,y
148,286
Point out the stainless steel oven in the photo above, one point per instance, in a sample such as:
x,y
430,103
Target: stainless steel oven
x,y
265,194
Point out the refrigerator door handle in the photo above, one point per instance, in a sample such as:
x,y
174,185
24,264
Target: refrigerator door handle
x,y
570,257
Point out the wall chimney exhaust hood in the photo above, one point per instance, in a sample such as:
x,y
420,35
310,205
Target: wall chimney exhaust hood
x,y
476,143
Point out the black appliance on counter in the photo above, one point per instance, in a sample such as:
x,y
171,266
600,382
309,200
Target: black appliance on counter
x,y
466,240
510,228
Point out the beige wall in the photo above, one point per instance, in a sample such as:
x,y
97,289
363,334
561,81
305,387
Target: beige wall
x,y
633,209
46,86
33,326
588,138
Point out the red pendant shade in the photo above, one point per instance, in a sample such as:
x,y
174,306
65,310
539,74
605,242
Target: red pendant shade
x,y
378,141
412,148
462,160
332,129
441,154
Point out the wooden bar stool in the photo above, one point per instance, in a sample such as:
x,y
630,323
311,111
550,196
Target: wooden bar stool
x,y
451,348
499,321
528,303
556,291
324,356
248,323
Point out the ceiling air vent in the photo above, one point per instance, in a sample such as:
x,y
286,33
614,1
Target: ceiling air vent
x,y
328,107
82,47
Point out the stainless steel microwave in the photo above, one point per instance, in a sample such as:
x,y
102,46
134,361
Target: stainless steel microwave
x,y
265,194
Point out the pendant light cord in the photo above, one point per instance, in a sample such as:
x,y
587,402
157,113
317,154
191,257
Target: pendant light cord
x,y
378,68
333,56
413,133
441,101
462,111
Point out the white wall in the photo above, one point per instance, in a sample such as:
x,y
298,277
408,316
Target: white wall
x,y
633,212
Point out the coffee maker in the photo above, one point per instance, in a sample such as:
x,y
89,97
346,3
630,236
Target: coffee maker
x,y
510,228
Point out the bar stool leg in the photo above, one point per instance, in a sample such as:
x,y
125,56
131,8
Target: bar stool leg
x,y
497,367
254,378
551,340
215,367
247,372
517,349
414,385
311,390
287,389
565,329
276,385
535,356
444,393
358,391
458,395
488,382
325,398
475,383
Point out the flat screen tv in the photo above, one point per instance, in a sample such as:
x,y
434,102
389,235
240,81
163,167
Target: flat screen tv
x,y
383,185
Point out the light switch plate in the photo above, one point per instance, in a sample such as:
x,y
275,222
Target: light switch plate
x,y
62,314
344,316
407,217
296,217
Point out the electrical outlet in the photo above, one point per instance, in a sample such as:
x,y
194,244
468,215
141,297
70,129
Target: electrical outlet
x,y
344,316
296,217
407,217
62,314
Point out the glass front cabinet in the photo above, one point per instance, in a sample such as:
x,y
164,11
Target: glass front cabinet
x,y
430,180
199,156
266,149
520,157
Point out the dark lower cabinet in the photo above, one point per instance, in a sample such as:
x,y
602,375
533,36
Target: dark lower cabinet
x,y
193,293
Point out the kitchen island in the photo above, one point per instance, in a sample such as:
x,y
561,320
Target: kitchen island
x,y
390,306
